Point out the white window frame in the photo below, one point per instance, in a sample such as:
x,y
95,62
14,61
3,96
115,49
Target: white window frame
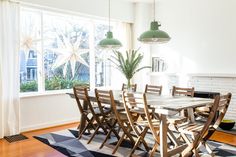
x,y
40,61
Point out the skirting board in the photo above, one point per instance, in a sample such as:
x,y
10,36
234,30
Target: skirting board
x,y
46,125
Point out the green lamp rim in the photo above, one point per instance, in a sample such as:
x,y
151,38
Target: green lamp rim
x,y
154,35
109,41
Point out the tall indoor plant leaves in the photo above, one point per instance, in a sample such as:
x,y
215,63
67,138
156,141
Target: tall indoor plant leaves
x,y
128,63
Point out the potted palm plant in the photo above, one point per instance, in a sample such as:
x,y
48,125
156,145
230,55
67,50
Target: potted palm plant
x,y
128,63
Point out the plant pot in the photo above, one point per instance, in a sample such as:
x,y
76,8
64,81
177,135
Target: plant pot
x,y
227,124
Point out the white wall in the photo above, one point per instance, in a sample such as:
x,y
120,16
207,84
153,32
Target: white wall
x,y
203,35
120,10
1,121
142,20
45,111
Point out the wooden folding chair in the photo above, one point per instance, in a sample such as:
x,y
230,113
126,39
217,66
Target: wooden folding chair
x,y
193,133
105,118
179,91
221,111
125,87
153,89
203,112
119,117
81,94
154,128
133,102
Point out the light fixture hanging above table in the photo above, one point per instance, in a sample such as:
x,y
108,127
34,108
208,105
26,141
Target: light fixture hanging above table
x,y
154,35
109,42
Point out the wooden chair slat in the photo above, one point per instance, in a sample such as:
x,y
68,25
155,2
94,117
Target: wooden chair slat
x,y
153,89
183,91
125,87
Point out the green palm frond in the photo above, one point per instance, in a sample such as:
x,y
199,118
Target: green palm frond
x,y
128,63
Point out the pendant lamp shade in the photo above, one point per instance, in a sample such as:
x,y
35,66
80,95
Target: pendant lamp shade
x,y
154,35
109,42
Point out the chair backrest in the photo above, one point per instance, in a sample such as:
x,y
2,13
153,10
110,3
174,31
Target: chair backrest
x,y
222,109
153,89
133,87
81,94
182,91
149,118
107,97
103,98
131,101
207,124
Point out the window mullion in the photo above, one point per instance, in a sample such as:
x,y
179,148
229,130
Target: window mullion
x,y
92,54
41,78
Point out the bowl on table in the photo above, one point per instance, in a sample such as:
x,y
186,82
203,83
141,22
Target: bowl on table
x,y
227,124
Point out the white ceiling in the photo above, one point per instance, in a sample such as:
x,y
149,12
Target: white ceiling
x,y
144,1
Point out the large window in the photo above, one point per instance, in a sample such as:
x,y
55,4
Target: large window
x,y
59,51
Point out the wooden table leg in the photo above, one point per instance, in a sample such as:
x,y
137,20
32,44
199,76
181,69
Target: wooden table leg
x,y
163,136
191,114
83,118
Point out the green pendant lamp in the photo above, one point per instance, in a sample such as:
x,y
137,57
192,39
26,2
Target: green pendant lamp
x,y
154,35
109,42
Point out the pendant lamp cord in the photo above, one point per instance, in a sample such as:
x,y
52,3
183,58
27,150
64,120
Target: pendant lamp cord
x,y
154,10
109,14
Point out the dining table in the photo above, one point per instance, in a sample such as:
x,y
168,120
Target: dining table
x,y
165,106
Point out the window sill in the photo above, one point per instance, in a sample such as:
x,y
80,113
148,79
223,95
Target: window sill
x,y
46,93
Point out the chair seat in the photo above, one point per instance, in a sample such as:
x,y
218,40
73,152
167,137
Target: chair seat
x,y
202,111
122,116
144,123
139,111
176,119
191,128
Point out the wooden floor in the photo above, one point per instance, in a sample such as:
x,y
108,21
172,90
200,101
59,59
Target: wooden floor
x,y
34,148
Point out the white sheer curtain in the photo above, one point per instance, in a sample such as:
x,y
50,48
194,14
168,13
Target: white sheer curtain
x,y
9,73
123,32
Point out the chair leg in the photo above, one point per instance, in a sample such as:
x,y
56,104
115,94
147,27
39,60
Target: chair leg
x,y
143,140
195,151
89,123
118,143
172,137
208,148
135,146
185,138
126,133
154,148
108,135
111,127
82,132
95,132
100,124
